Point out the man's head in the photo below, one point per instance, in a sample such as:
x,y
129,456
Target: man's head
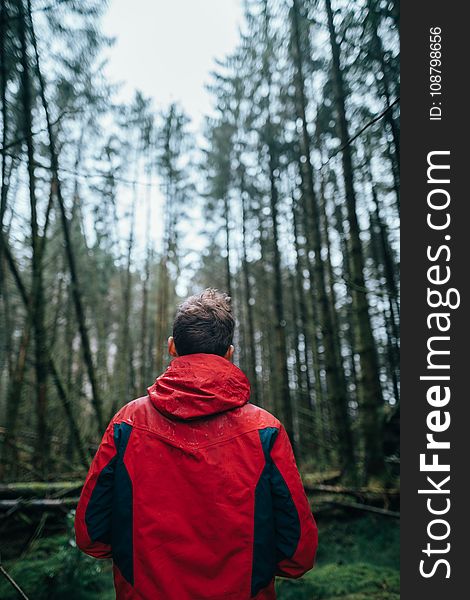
x,y
203,323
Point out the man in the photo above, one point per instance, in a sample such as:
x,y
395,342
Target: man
x,y
194,492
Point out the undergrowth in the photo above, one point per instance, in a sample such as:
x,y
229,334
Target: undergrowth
x,y
358,559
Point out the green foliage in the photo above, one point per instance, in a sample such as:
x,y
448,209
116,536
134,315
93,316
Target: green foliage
x,y
358,559
54,569
357,581
373,539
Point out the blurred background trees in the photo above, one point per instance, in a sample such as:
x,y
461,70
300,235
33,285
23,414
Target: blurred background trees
x,y
288,199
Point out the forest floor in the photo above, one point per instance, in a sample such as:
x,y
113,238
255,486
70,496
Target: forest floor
x,y
358,559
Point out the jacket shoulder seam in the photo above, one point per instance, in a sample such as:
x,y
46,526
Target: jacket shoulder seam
x,y
194,445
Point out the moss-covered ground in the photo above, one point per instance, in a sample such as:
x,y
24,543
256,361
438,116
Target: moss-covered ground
x,y
358,559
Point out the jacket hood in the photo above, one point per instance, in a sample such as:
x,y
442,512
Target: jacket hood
x,y
199,385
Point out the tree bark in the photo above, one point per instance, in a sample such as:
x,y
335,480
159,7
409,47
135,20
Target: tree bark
x,y
336,387
227,245
76,289
278,301
249,307
37,287
385,86
370,392
18,379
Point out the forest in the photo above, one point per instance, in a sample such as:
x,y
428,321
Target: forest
x,y
287,198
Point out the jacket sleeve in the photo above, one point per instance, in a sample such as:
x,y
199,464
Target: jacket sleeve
x,y
296,530
93,514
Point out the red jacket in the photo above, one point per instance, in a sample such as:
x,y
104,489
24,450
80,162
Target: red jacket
x,y
195,493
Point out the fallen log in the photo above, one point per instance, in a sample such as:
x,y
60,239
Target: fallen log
x,y
31,489
367,508
356,492
41,503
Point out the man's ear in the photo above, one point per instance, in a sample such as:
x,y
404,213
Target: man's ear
x,y
229,353
172,347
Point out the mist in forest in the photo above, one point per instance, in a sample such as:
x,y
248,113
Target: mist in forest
x,y
116,203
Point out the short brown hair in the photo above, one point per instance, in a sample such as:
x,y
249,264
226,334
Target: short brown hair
x,y
204,323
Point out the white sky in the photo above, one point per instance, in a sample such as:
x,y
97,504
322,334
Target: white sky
x,y
166,48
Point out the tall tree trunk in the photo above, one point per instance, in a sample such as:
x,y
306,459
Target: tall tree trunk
x,y
385,88
76,289
4,185
313,405
384,82
280,344
127,353
270,375
18,378
278,302
8,462
227,245
302,413
336,387
385,263
331,277
5,124
162,291
315,332
41,453
162,315
68,408
387,260
248,303
144,362
370,392
128,344
242,342
347,312
392,361
299,278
